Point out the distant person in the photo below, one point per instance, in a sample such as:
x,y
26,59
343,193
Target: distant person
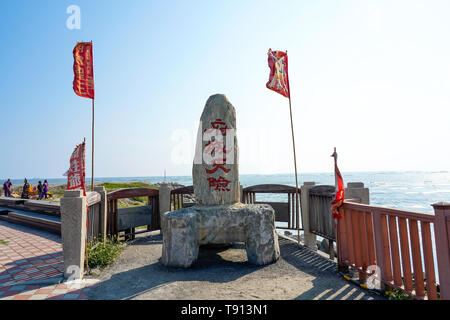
x,y
7,188
45,189
40,189
25,189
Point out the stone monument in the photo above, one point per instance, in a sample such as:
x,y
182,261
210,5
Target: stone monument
x,y
218,217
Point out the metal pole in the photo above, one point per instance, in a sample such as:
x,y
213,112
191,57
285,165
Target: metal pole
x,y
92,182
296,178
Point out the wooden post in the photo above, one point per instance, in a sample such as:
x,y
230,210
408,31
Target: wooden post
x,y
442,237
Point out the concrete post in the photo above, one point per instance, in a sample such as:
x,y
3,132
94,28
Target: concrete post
x,y
164,200
442,239
310,239
241,193
103,211
356,190
73,233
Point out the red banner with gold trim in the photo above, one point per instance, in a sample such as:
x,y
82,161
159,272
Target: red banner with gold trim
x,y
278,78
83,69
77,174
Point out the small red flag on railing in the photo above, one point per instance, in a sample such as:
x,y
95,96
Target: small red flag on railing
x,y
83,69
340,190
77,174
278,78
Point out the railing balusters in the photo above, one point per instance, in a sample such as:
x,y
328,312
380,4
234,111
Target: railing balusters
x,y
385,238
417,258
357,239
364,250
348,228
341,236
429,262
390,239
406,257
395,254
370,238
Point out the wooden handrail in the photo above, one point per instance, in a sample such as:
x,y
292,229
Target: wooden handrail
x,y
132,192
389,211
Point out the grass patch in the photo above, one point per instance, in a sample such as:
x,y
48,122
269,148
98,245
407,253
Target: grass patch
x,y
110,186
396,294
101,254
3,242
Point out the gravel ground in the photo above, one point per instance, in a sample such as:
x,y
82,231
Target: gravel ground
x,y
224,274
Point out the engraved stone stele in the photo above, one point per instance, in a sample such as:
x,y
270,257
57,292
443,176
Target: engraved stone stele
x,y
215,171
218,217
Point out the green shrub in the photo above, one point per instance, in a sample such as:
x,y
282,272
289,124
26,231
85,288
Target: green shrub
x,y
3,242
109,186
101,254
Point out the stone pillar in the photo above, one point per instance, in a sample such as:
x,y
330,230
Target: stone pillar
x,y
356,190
103,211
164,199
310,239
442,239
241,193
73,233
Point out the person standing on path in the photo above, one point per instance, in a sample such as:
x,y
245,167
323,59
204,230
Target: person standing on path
x,y
45,189
40,188
25,189
7,188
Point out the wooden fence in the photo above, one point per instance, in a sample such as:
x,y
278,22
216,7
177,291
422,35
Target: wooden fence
x,y
93,215
135,216
320,218
177,199
284,211
395,241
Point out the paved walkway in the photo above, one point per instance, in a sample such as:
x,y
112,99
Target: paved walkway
x,y
224,274
31,265
31,269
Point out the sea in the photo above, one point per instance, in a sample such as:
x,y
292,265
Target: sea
x,y
408,190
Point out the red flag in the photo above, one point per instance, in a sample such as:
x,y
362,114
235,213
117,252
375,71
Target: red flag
x,y
278,78
83,69
339,182
76,174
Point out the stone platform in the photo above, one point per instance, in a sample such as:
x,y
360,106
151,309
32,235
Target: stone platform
x,y
186,229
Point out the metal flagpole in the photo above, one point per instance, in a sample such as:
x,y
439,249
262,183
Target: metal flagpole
x,y
93,118
297,207
295,166
92,182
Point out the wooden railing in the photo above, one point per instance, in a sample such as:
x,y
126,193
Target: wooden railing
x,y
177,199
113,210
287,212
395,241
93,215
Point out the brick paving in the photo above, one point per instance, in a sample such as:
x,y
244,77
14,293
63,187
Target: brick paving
x,y
29,256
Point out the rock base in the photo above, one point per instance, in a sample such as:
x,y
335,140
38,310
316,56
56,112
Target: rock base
x,y
186,229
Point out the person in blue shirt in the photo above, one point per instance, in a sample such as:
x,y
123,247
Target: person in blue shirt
x,y
7,188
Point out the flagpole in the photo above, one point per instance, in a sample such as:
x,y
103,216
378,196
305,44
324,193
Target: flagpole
x,y
295,167
93,114
93,118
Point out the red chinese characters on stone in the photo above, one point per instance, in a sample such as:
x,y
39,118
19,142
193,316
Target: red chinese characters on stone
x,y
220,125
217,166
220,184
216,148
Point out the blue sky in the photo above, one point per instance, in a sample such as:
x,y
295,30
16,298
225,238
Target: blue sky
x,y
369,77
